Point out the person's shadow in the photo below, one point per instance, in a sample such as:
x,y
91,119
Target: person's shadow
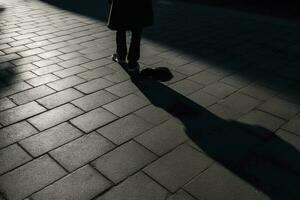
x,y
253,153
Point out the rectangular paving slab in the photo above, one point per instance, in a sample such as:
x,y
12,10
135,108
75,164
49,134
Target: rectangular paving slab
x,y
81,151
219,183
123,161
15,133
178,167
23,181
124,129
164,137
12,157
20,112
83,184
92,120
50,139
55,116
137,187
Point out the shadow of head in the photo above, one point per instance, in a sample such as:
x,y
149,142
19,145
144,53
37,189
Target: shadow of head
x,y
162,74
255,154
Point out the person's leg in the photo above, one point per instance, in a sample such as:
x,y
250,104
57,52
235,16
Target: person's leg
x,y
134,50
121,45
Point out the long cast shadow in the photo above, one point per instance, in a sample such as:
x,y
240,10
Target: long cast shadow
x,y
253,153
245,44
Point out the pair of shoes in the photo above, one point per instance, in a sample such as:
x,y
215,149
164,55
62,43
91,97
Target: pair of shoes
x,y
115,57
133,66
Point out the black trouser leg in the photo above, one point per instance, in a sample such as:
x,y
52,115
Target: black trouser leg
x,y
134,50
121,44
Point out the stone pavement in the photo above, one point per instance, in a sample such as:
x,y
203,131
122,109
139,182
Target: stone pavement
x,y
73,125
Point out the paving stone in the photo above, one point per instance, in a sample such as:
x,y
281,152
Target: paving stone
x,y
219,183
60,38
70,71
14,88
94,85
38,44
71,48
20,113
176,77
30,178
43,37
219,90
164,137
60,98
50,54
40,80
15,49
236,81
44,63
202,98
12,157
24,68
264,173
137,187
289,138
258,118
293,125
184,161
99,55
205,78
83,184
122,89
240,102
23,76
124,129
185,86
54,46
50,139
26,60
224,112
15,133
117,77
181,195
31,52
124,161
282,151
81,151
10,57
47,70
280,108
126,105
258,91
66,83
73,62
55,116
92,120
69,56
97,63
25,36
5,103
190,69
20,42
94,100
152,114
96,73
31,94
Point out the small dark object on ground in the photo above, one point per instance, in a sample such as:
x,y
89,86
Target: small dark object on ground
x,y
162,74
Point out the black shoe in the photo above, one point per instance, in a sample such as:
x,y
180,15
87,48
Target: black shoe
x,y
133,66
115,57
